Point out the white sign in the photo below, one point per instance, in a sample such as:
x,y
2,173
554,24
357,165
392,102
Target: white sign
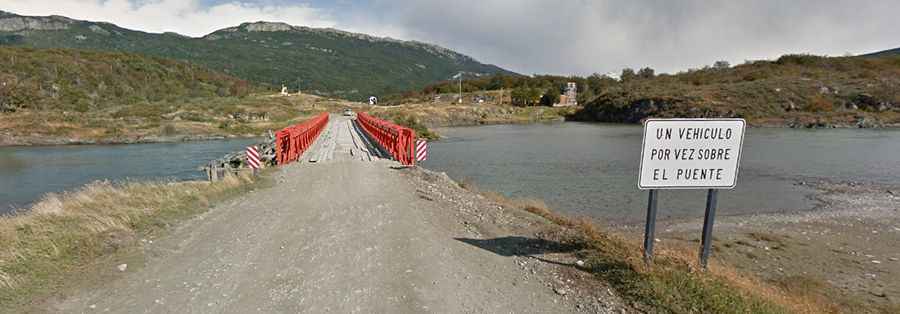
x,y
691,153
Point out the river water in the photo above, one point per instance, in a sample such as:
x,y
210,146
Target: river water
x,y
591,169
27,173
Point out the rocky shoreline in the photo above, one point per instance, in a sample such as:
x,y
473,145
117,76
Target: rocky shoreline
x,y
7,140
843,252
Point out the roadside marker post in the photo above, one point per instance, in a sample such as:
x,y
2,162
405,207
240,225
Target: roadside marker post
x,y
421,150
253,159
689,154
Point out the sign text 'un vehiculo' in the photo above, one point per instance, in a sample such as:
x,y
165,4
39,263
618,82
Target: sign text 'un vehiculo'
x,y
689,154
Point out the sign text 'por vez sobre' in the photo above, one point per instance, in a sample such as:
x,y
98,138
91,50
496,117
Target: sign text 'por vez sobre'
x,y
691,153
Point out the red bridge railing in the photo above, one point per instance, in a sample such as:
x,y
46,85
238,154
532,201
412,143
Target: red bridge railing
x,y
397,140
292,141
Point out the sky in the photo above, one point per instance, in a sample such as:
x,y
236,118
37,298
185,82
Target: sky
x,y
569,37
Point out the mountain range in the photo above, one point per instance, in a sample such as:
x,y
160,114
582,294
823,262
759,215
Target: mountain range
x,y
883,53
321,61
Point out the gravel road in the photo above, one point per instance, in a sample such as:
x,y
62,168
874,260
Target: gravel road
x,y
347,233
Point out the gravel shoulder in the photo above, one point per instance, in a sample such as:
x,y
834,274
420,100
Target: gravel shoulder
x,y
346,234
844,252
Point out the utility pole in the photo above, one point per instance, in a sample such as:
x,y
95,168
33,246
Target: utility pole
x,y
460,87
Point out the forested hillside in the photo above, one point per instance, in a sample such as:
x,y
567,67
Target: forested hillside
x,y
81,80
60,96
794,90
320,61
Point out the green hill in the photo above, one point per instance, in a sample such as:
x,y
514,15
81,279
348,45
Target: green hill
x,y
322,61
795,90
83,80
59,96
884,53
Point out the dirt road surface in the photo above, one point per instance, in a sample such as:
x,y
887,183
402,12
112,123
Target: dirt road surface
x,y
346,233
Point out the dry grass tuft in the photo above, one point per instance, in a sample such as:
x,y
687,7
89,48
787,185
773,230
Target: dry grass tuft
x,y
63,231
674,282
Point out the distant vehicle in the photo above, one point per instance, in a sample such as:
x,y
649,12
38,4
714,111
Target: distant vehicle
x,y
348,112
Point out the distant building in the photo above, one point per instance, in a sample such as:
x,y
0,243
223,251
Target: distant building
x,y
570,97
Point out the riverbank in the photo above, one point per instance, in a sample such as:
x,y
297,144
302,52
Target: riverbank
x,y
14,140
571,264
842,253
423,117
667,108
600,259
63,236
197,119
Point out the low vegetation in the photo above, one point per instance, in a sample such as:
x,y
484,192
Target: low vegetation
x,y
673,282
421,115
55,96
84,81
65,232
795,90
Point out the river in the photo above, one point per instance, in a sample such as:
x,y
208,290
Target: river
x,y
590,169
27,173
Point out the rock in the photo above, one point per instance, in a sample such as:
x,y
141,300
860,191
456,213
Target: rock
x,y
893,259
122,267
876,262
580,263
560,291
18,24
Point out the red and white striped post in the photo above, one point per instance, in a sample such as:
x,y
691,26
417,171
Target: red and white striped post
x,y
253,159
421,150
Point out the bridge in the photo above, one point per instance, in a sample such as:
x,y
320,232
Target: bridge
x,y
347,227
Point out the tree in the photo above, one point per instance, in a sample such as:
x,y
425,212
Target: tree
x,y
722,64
585,95
646,73
519,96
551,96
534,96
627,75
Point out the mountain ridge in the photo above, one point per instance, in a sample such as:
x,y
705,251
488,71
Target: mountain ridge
x,y
887,52
323,61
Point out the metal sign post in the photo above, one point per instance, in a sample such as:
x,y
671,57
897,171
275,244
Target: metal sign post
x,y
689,154
650,227
708,218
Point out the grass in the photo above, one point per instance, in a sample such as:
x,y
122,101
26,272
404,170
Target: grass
x,y
64,232
217,117
674,282
422,116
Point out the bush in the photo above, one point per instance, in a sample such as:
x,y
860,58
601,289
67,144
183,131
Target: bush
x,y
800,59
819,104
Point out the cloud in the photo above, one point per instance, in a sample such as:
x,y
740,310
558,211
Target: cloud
x,y
584,36
187,17
542,36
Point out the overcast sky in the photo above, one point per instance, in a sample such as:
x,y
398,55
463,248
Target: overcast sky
x,y
540,36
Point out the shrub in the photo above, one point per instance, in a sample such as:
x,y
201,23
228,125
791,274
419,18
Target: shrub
x,y
819,104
